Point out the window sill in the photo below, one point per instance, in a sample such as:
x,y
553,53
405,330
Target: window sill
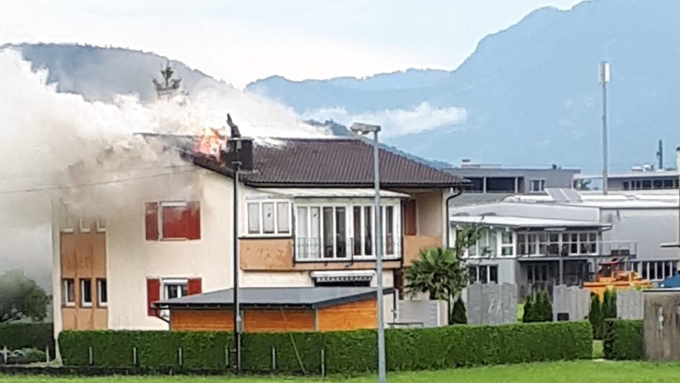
x,y
266,236
86,305
347,260
69,305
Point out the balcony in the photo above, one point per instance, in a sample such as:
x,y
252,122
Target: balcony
x,y
622,249
349,250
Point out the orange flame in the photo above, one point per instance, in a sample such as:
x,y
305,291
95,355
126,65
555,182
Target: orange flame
x,y
210,143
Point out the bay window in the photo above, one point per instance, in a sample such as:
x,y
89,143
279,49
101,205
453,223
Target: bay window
x,y
338,232
557,244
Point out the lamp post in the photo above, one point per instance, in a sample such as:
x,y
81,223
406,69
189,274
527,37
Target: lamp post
x,y
605,75
366,129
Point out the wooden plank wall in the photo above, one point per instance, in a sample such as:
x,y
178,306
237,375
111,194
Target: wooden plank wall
x,y
83,256
349,316
254,320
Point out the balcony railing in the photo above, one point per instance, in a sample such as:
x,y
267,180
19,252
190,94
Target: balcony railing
x,y
337,250
587,249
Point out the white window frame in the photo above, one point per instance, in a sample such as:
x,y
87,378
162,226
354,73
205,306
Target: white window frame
x,y
277,230
538,243
488,273
68,221
541,182
101,303
82,293
511,245
484,243
173,282
101,225
65,289
85,225
349,230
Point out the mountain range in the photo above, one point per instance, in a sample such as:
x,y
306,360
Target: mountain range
x,y
527,96
530,93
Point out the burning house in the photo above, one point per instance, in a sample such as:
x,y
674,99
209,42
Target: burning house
x,y
306,219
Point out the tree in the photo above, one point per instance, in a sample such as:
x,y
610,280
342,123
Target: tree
x,y
528,315
21,298
466,236
609,304
538,309
596,317
437,272
459,315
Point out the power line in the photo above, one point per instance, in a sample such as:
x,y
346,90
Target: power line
x,y
99,183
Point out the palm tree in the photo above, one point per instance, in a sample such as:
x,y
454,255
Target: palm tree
x,y
439,272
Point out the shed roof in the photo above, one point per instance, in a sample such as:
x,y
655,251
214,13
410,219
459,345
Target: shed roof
x,y
312,297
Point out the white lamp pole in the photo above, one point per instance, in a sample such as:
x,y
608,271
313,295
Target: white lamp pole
x,y
605,77
366,129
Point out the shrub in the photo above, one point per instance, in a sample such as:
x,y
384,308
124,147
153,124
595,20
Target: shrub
x,y
624,340
26,356
538,309
27,335
459,314
609,304
596,316
348,352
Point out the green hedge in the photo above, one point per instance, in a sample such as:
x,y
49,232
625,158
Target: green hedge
x,y
623,340
348,352
27,335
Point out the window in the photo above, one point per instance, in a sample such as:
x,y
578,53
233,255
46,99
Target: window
x,y
173,221
486,245
507,243
85,293
85,225
337,232
268,217
102,293
483,274
536,186
555,244
175,288
101,225
69,292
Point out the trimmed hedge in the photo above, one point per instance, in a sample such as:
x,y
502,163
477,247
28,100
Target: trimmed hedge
x,y
347,352
624,340
27,335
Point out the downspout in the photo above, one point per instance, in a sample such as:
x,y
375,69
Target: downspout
x,y
457,193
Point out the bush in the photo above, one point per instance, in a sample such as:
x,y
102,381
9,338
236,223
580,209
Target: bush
x,y
459,314
27,335
596,317
538,309
609,304
624,340
26,356
348,352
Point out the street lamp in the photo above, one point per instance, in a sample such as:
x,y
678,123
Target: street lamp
x,y
605,77
366,129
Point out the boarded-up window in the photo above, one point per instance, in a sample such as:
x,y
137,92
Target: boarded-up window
x,y
153,294
177,221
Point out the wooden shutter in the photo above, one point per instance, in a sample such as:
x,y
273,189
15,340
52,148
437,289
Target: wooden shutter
x,y
194,286
151,214
192,217
410,218
153,294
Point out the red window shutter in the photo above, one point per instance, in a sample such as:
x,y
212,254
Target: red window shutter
x,y
193,220
153,294
151,214
194,286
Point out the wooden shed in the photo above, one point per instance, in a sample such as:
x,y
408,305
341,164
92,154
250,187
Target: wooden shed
x,y
277,309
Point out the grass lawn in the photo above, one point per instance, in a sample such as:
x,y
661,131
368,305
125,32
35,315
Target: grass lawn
x,y
562,372
598,349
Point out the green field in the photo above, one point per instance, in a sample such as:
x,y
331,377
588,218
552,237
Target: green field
x,y
563,372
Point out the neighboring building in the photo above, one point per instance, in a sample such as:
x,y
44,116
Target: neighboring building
x,y
528,240
489,183
640,178
305,220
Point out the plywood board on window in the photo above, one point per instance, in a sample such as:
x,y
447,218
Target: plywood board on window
x,y
266,254
414,243
83,255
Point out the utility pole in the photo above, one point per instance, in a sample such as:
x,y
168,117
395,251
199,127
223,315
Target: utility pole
x,y
604,80
659,154
236,165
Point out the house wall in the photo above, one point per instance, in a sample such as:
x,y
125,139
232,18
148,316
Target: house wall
x,y
431,213
132,259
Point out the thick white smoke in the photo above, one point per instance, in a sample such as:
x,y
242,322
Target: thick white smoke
x,y
59,143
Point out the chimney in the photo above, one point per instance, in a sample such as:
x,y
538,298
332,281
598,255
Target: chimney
x,y
238,150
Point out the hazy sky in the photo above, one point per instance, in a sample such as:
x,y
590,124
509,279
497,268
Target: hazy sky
x,y
241,41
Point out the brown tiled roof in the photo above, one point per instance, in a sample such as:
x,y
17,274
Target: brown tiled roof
x,y
333,162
